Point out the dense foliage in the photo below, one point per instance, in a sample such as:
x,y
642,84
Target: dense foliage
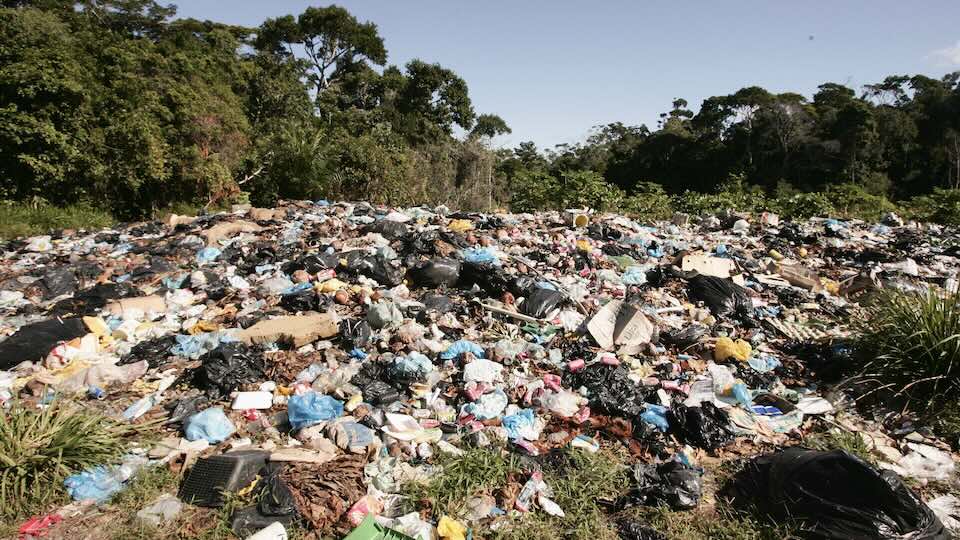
x,y
117,104
753,150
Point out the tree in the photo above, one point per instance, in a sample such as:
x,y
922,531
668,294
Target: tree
x,y
489,125
430,100
329,37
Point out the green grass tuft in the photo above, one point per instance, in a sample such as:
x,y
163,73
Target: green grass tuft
x,y
839,439
479,470
17,219
913,342
722,524
40,448
579,481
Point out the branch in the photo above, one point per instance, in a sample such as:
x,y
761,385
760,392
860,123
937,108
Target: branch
x,y
252,175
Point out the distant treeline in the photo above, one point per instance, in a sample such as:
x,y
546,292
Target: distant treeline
x,y
115,103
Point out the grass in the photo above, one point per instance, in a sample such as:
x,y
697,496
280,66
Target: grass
x,y
579,481
914,345
478,470
18,219
945,421
840,439
40,448
706,524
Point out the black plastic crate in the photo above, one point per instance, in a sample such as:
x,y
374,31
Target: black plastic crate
x,y
211,477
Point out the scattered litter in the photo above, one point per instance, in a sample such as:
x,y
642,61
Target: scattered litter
x,y
320,358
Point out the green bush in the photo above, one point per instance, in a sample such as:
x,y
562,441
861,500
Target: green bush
x,y
539,190
853,201
912,343
18,219
587,189
40,448
941,206
734,194
805,205
648,201
532,190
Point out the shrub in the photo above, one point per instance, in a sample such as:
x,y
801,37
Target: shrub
x,y
40,448
853,201
805,205
19,219
913,342
532,190
734,194
586,189
941,206
648,201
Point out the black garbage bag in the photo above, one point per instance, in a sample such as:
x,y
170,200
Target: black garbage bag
x,y
92,300
186,407
155,351
541,302
523,285
672,484
835,494
722,296
828,359
58,281
684,337
437,302
355,333
228,366
377,268
305,300
33,342
629,529
704,427
312,263
490,278
379,393
436,272
275,496
391,230
654,440
611,390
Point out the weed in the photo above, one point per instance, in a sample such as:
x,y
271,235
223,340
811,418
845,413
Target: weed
x,y
40,448
476,471
945,421
915,344
27,220
721,524
840,439
579,481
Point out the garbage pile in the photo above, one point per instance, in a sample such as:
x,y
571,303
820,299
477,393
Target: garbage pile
x,y
326,355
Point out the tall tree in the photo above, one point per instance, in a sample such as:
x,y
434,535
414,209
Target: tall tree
x,y
329,37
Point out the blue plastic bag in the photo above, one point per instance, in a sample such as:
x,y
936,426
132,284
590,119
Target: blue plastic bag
x,y
194,347
634,275
99,483
488,407
461,346
515,423
413,366
210,424
207,254
655,415
312,408
480,255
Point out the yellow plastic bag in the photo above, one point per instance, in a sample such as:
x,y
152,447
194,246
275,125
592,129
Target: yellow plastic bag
x,y
460,225
451,529
726,348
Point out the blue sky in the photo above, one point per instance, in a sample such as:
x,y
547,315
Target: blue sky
x,y
554,69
